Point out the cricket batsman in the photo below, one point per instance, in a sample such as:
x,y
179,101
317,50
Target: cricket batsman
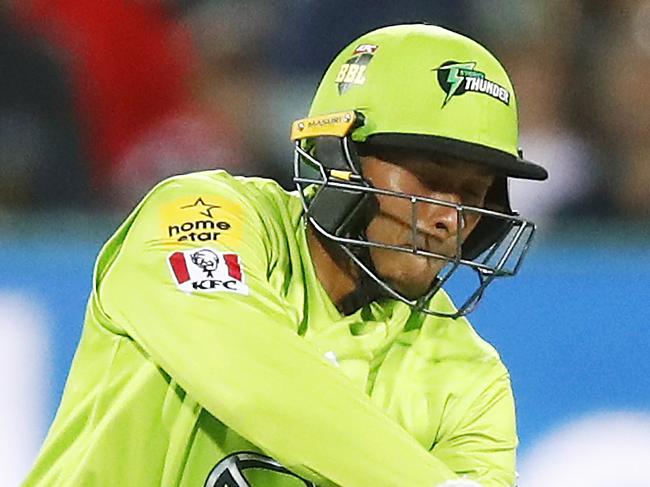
x,y
241,335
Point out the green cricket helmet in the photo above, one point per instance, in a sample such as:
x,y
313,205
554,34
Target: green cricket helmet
x,y
421,88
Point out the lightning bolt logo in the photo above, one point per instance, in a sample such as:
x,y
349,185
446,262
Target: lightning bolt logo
x,y
456,74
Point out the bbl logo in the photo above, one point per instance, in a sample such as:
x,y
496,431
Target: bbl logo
x,y
457,78
353,71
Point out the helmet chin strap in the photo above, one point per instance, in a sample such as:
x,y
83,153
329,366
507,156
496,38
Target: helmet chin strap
x,y
366,292
370,286
367,289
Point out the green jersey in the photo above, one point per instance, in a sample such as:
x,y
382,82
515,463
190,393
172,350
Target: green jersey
x,y
212,356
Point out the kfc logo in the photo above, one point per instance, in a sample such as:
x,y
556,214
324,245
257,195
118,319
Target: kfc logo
x,y
207,270
207,260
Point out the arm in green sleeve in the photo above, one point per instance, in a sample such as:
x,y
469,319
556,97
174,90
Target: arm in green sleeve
x,y
240,357
482,445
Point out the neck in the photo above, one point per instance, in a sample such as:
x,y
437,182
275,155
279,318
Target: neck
x,y
335,271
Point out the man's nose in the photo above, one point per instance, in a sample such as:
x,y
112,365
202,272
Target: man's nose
x,y
442,221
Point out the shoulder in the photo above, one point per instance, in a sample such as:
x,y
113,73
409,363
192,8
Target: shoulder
x,y
459,362
204,209
254,191
181,203
456,339
211,210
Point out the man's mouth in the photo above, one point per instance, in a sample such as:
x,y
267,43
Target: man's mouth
x,y
432,246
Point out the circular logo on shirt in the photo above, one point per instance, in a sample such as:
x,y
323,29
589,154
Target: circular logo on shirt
x,y
231,471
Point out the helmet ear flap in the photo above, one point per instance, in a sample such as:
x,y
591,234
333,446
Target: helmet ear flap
x,y
341,212
490,230
333,154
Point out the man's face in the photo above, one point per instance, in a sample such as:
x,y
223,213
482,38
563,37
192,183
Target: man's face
x,y
453,181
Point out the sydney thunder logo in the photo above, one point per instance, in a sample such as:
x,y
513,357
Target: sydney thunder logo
x,y
459,78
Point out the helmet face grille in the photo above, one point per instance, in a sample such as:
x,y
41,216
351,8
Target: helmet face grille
x,y
498,252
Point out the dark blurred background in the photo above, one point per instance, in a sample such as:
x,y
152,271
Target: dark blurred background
x,y
101,99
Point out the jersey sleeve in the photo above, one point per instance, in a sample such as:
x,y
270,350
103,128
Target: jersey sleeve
x,y
234,347
482,443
